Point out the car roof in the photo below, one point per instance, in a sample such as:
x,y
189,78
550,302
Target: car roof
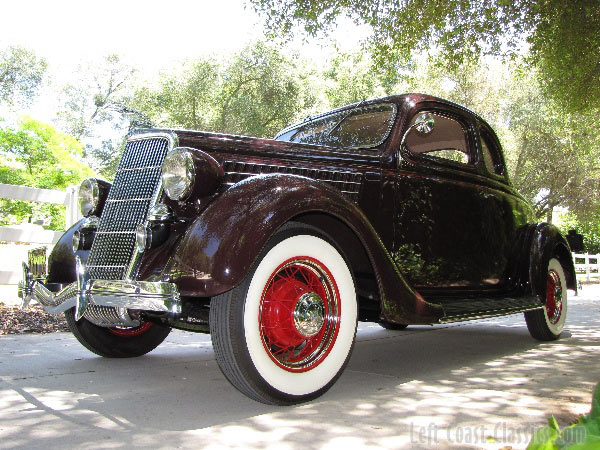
x,y
398,99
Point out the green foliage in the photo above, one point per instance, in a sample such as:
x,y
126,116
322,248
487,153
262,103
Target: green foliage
x,y
350,78
584,435
564,46
590,229
184,99
556,154
412,265
257,92
35,154
93,111
562,36
21,73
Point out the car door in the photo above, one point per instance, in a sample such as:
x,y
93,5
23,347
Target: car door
x,y
446,230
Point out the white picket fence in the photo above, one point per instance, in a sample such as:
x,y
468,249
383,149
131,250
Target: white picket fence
x,y
587,264
17,240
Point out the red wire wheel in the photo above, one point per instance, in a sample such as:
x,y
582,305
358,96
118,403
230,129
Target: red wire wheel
x,y
547,323
299,314
553,297
285,334
132,331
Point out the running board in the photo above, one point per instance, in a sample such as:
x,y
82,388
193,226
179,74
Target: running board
x,y
461,310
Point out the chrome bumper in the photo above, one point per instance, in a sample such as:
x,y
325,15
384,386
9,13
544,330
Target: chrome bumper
x,y
136,295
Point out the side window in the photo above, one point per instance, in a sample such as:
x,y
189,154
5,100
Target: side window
x,y
447,140
491,157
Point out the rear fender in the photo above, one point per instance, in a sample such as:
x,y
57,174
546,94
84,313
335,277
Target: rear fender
x,y
547,243
219,248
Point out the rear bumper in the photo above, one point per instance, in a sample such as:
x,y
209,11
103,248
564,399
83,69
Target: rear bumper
x,y
133,295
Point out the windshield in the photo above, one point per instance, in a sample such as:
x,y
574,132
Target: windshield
x,y
362,127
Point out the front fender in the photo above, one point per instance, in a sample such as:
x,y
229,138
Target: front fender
x,y
219,248
61,261
547,242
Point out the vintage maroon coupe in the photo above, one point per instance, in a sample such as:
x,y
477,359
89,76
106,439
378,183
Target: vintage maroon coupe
x,y
397,210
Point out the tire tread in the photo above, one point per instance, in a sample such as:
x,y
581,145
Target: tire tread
x,y
100,341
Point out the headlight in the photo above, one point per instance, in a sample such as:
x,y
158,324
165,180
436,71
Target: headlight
x,y
89,196
178,174
92,195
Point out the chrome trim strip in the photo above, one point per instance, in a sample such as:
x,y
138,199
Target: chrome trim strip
x,y
140,168
105,267
128,200
285,167
114,232
231,183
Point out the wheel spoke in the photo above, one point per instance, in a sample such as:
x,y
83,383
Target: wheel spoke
x,y
299,293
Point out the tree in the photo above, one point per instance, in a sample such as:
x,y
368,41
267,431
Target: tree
x,y
186,99
562,36
95,104
21,73
91,100
556,154
35,154
261,93
257,92
351,78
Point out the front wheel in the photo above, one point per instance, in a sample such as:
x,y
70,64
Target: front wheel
x,y
116,342
285,334
547,324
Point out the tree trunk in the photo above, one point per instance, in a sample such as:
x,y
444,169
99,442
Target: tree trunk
x,y
549,214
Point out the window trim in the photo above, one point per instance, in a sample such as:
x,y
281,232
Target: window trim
x,y
483,131
472,166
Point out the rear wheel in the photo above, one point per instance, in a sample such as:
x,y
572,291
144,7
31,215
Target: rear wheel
x,y
547,324
117,342
285,334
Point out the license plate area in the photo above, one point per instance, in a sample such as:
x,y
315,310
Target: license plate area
x,y
37,261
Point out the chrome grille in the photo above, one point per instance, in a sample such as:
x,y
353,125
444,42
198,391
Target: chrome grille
x,y
107,316
136,186
347,182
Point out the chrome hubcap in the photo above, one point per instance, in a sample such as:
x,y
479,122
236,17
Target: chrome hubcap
x,y
309,314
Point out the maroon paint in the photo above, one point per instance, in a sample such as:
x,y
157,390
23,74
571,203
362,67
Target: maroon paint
x,y
218,249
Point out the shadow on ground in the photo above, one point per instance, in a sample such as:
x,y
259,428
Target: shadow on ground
x,y
485,384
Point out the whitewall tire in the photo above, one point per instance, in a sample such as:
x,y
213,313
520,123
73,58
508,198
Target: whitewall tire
x,y
547,323
286,333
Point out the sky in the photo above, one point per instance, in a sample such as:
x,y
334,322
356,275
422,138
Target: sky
x,y
151,35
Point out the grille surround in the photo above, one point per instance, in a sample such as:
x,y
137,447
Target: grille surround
x,y
136,188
